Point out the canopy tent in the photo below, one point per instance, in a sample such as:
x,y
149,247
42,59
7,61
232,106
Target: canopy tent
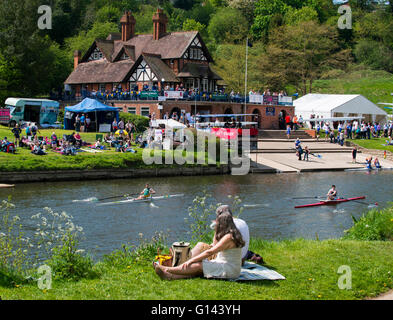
x,y
100,113
338,105
169,123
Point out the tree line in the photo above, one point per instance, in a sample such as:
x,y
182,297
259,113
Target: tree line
x,y
294,42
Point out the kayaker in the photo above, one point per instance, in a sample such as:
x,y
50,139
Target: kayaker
x,y
332,194
146,193
377,164
369,163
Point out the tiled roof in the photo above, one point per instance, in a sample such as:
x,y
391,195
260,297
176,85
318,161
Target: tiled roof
x,y
100,72
110,69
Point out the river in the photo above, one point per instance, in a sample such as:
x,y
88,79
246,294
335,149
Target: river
x,y
269,209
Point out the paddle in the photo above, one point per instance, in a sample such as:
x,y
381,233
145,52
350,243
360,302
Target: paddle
x,y
373,205
316,197
316,155
123,195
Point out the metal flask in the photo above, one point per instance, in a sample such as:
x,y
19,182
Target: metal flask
x,y
181,252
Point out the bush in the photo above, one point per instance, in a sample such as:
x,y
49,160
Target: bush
x,y
375,225
141,123
67,263
10,277
145,251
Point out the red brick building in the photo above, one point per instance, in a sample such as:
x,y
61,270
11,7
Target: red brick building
x,y
130,62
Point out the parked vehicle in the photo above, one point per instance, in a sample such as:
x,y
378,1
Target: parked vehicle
x,y
41,111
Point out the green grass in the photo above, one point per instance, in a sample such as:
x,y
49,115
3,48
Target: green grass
x,y
110,159
374,143
310,268
374,85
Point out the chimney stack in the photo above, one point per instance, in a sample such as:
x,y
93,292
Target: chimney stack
x,y
77,58
127,26
160,22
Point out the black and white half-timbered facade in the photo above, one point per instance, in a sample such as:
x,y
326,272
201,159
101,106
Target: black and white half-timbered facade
x,y
132,61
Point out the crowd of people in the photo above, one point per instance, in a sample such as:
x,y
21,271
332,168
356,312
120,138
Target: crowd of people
x,y
190,94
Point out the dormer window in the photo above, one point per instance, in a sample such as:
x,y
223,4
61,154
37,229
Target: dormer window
x,y
96,55
124,56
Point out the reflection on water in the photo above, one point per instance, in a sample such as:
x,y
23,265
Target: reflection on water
x,y
269,207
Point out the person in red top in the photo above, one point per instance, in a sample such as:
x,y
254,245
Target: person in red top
x,y
288,121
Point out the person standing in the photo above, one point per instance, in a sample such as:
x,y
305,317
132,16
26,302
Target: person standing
x,y
306,153
354,152
114,126
87,123
77,123
83,119
288,132
16,131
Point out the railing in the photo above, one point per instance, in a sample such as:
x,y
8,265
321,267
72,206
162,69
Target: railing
x,y
179,95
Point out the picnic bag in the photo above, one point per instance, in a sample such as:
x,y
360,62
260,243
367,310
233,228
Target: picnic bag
x,y
181,252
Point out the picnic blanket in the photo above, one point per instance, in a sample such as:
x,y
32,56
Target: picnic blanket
x,y
252,271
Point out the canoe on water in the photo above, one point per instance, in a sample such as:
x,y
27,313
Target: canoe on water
x,y
7,186
141,200
329,202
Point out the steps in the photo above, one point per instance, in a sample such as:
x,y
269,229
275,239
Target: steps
x,y
282,134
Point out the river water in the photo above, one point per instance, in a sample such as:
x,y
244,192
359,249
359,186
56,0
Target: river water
x,y
269,207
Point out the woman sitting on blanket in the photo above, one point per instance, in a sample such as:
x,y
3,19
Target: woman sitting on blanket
x,y
227,244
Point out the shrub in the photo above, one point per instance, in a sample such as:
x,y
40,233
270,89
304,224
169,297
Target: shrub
x,y
10,277
67,262
141,123
374,225
145,251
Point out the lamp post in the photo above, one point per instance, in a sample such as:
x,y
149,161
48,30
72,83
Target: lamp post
x,y
163,93
245,80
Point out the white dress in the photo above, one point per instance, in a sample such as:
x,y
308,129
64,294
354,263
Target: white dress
x,y
227,265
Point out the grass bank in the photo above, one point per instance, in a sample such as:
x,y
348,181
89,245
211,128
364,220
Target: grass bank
x,y
24,160
374,143
310,268
375,85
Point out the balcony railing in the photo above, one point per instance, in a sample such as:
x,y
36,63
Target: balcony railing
x,y
178,95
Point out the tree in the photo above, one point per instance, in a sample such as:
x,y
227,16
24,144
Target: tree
x,y
246,7
297,55
265,10
222,28
108,14
84,39
31,63
192,25
296,16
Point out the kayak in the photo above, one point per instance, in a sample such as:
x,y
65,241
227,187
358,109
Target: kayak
x,y
134,200
367,169
329,202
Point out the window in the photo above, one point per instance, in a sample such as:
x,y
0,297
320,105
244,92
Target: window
x,y
190,84
132,110
145,111
205,84
102,87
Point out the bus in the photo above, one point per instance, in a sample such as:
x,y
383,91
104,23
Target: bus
x,y
43,112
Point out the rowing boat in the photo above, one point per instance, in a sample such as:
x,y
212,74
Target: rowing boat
x,y
134,200
329,202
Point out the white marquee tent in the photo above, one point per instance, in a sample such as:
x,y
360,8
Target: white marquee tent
x,y
338,105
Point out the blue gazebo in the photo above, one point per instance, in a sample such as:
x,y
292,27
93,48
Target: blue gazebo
x,y
98,113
